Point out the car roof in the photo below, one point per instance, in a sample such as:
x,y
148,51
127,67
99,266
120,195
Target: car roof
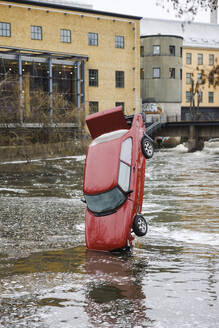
x,y
102,166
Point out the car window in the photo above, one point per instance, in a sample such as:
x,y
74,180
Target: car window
x,y
124,176
105,202
126,151
108,137
125,164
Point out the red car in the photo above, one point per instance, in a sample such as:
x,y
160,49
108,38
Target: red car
x,y
114,179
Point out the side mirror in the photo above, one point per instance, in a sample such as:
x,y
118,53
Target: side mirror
x,y
83,200
128,192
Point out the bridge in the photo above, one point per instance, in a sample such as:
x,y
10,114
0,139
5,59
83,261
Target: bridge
x,y
195,131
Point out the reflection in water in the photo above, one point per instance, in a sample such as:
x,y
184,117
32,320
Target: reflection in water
x,y
52,302
212,280
112,287
64,260
114,291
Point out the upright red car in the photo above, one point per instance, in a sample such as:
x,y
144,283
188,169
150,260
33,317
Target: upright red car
x,y
114,179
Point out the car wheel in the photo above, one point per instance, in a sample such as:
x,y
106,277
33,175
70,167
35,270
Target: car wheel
x,y
140,226
147,147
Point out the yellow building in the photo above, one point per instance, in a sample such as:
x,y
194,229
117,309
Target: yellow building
x,y
70,57
198,62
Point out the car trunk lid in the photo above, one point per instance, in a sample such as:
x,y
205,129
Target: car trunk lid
x,y
106,121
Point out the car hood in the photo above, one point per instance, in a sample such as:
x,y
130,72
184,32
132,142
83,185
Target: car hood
x,y
111,231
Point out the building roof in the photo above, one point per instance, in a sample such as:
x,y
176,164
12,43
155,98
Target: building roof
x,y
69,6
197,35
10,51
72,3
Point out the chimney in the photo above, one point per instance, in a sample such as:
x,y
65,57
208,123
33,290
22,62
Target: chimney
x,y
214,8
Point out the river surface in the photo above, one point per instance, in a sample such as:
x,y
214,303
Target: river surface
x,y
170,280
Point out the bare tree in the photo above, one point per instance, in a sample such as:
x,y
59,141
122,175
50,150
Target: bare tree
x,y
206,78
213,76
191,7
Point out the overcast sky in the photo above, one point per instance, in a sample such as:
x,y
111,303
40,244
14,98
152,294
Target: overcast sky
x,y
143,8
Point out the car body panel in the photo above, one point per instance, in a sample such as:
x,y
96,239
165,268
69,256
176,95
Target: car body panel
x,y
112,231
104,167
108,232
106,121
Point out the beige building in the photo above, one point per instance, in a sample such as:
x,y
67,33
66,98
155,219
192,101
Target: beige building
x,y
198,62
75,56
200,54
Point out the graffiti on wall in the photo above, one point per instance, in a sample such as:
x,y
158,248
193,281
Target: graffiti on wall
x,y
152,108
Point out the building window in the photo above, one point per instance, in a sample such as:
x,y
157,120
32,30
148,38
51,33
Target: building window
x,y
36,32
64,82
172,72
120,80
5,29
180,73
156,50
156,72
119,103
37,84
200,59
188,96
92,39
142,51
119,41
93,107
188,58
211,78
211,97
188,78
200,97
211,59
172,50
181,51
65,36
93,77
142,73
199,78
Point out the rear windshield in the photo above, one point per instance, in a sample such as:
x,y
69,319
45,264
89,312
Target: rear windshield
x,y
105,202
108,136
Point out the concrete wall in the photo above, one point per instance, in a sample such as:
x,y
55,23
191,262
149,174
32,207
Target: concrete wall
x,y
104,57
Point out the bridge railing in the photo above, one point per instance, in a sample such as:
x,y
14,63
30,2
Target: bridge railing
x,y
178,118
163,118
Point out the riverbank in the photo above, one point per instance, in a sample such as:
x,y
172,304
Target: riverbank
x,y
49,150
39,150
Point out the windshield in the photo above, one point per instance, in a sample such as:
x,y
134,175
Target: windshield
x,y
105,202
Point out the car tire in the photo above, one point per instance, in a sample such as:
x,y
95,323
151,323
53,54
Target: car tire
x,y
147,147
140,226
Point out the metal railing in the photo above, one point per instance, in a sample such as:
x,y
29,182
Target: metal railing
x,y
188,117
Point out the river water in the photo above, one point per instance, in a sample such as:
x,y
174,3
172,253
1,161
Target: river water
x,y
171,279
